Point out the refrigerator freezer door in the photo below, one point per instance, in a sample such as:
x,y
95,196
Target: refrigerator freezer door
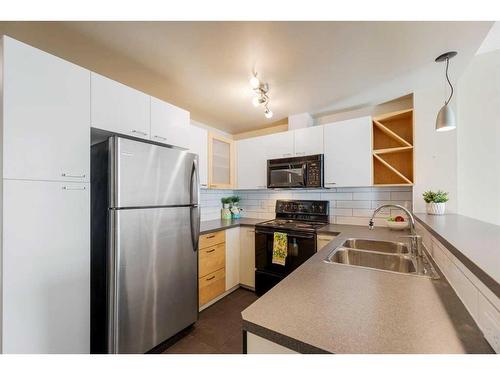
x,y
155,275
146,175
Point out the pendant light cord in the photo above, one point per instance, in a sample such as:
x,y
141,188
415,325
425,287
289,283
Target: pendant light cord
x,y
448,79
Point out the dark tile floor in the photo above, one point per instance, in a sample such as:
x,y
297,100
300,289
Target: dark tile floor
x,y
218,330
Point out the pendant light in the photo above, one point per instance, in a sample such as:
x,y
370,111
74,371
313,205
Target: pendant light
x,y
446,118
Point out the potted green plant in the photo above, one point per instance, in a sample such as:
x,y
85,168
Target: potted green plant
x,y
225,211
235,209
436,201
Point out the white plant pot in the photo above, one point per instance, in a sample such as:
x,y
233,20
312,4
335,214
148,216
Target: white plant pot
x,y
436,208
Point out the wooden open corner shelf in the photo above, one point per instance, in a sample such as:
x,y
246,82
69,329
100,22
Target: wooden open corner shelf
x,y
393,148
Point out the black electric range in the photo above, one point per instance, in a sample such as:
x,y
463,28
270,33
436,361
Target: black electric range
x,y
299,220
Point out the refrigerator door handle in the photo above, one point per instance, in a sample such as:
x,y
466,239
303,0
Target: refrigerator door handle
x,y
195,209
195,184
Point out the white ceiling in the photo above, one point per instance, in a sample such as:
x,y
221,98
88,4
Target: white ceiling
x,y
310,66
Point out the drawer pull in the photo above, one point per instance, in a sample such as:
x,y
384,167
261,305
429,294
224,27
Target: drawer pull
x,y
212,236
159,137
210,251
74,188
139,132
72,175
210,278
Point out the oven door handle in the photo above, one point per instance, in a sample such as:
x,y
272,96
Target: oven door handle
x,y
311,236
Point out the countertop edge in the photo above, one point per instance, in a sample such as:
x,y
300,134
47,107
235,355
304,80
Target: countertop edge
x,y
486,279
283,340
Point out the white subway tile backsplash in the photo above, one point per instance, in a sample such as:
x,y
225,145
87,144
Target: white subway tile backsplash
x,y
401,196
336,196
353,204
371,196
347,205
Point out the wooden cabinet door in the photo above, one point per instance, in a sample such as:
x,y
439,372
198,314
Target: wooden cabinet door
x,y
232,257
308,141
46,108
348,153
247,257
220,162
169,124
46,263
198,138
119,108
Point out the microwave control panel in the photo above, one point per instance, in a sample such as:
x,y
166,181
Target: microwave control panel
x,y
314,174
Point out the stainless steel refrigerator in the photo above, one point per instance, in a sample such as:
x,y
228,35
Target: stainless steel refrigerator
x,y
144,260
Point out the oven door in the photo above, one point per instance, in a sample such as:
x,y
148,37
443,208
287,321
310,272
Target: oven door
x,y
301,246
286,175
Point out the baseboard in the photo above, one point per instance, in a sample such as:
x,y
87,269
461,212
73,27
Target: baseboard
x,y
218,298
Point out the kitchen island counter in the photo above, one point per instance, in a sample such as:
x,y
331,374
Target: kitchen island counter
x,y
334,308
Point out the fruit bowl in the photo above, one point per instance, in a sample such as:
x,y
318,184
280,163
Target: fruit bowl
x,y
397,223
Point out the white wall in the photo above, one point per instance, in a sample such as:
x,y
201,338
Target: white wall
x,y
435,153
479,139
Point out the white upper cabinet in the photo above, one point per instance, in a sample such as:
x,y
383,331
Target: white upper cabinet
x,y
46,116
279,145
198,138
252,163
169,124
308,141
347,149
119,108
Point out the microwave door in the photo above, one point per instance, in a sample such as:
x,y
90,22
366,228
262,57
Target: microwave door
x,y
287,176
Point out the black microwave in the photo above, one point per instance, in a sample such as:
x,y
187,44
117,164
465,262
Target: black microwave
x,y
297,172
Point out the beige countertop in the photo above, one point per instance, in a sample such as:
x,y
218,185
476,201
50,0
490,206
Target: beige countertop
x,y
219,224
336,308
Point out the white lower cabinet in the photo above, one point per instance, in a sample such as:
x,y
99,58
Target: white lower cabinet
x,y
247,257
232,257
481,303
46,267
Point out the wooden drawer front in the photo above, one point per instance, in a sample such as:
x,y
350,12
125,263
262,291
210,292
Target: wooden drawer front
x,y
211,259
211,239
211,285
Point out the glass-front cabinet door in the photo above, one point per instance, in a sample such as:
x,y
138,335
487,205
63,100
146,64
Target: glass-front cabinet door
x,y
220,162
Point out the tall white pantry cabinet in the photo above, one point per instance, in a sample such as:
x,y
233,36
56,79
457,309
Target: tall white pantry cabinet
x,y
45,140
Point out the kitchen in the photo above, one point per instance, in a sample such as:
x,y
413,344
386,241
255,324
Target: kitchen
x,y
335,220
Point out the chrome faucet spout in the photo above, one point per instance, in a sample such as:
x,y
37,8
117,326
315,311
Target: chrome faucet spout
x,y
415,242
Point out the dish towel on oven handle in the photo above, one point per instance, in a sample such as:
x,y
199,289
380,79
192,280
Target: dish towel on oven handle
x,y
280,248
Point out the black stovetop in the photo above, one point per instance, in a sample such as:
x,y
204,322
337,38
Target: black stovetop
x,y
295,215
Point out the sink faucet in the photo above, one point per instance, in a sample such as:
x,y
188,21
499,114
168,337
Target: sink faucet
x,y
415,240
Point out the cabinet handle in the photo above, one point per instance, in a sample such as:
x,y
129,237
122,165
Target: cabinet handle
x,y
210,278
74,188
210,251
287,154
300,153
251,231
72,175
139,132
205,185
212,236
162,138
330,183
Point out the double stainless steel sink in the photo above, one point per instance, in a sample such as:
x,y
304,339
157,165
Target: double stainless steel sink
x,y
382,255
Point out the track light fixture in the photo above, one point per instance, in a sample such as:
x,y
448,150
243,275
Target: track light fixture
x,y
261,97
